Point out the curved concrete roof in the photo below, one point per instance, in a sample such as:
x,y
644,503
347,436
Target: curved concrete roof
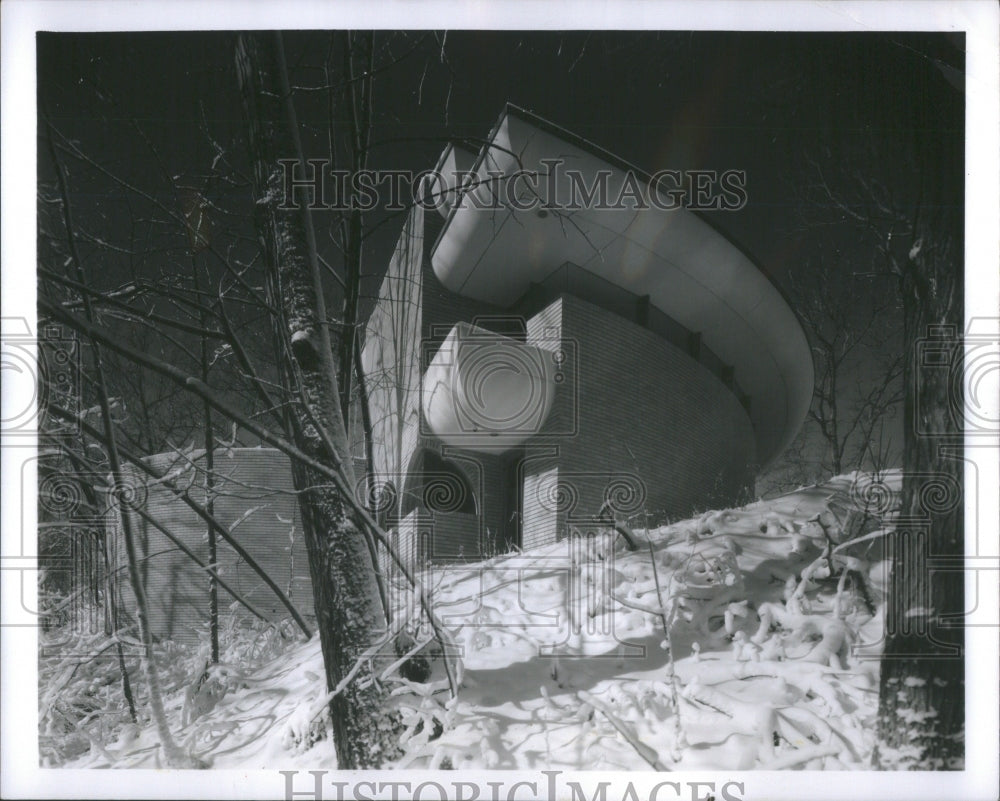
x,y
688,269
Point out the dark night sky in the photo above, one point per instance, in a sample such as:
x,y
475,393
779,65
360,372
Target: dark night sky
x,y
753,101
761,102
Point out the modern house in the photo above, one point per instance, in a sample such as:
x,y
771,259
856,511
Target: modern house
x,y
543,356
556,341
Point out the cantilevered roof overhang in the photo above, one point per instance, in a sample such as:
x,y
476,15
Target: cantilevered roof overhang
x,y
687,268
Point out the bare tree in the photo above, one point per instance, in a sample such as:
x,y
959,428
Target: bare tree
x,y
923,670
174,755
350,616
854,334
904,200
200,295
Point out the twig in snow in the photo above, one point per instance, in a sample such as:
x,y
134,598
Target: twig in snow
x,y
800,756
643,750
665,620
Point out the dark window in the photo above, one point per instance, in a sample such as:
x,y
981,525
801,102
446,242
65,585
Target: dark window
x,y
437,485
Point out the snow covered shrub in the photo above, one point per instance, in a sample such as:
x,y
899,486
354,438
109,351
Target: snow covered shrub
x,y
710,578
80,696
245,640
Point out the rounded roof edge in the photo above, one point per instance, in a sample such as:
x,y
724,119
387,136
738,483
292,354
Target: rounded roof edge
x,y
688,267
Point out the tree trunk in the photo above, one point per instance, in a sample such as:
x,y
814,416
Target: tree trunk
x,y
349,612
359,113
213,586
922,690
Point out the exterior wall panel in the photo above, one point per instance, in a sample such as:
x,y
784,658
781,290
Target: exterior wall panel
x,y
648,420
255,500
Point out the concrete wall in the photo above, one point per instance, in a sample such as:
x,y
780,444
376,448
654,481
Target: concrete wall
x,y
255,500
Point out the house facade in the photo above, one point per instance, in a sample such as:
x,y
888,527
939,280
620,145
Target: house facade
x,y
554,346
534,366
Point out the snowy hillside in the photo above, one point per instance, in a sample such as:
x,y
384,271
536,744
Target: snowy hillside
x,y
563,661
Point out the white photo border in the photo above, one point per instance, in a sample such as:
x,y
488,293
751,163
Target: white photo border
x,y
21,19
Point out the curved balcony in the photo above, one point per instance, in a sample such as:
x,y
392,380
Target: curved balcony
x,y
486,392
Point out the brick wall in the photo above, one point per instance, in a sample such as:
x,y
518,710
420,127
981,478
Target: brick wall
x,y
629,392
538,473
256,501
391,354
422,536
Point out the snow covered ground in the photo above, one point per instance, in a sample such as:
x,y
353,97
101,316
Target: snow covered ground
x,y
770,662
